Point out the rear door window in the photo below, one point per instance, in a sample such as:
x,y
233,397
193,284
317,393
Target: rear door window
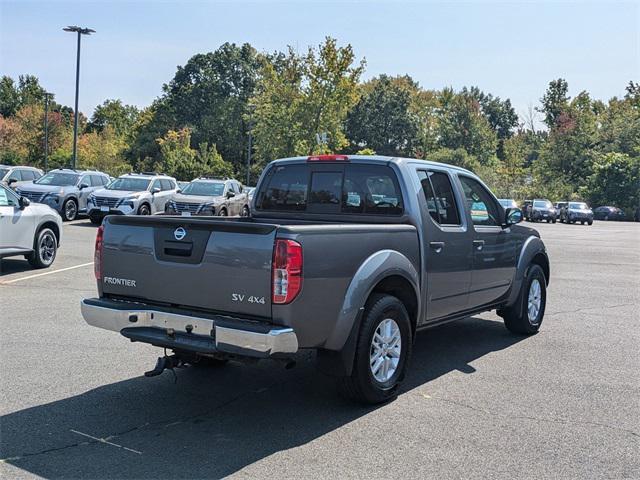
x,y
484,210
28,175
166,184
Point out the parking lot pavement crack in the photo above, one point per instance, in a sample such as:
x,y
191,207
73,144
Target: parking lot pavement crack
x,y
539,419
44,452
586,309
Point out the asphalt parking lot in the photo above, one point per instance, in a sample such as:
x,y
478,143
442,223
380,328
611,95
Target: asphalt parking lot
x,y
479,402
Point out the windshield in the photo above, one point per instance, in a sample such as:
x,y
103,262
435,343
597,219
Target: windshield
x,y
3,172
58,179
129,184
578,206
542,204
209,189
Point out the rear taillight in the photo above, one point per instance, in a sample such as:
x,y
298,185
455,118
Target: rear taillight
x,y
287,271
97,256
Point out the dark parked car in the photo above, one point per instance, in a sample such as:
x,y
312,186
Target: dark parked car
x,y
542,210
609,213
577,212
347,255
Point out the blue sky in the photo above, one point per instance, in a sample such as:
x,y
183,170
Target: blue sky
x,y
511,49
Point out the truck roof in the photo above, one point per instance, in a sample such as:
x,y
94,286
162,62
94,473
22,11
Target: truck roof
x,y
382,159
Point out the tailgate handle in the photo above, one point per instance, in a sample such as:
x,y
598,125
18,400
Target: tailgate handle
x,y
178,249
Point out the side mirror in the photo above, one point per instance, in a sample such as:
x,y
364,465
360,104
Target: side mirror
x,y
155,190
83,186
230,194
179,190
23,202
34,180
12,180
512,216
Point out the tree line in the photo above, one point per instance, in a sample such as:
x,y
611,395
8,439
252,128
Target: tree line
x,y
222,106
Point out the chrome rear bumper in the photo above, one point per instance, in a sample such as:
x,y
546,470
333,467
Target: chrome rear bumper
x,y
186,332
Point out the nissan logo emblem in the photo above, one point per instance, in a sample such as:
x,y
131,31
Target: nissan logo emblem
x,y
179,233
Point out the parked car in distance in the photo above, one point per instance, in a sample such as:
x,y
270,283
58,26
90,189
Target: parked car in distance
x,y
16,175
32,230
65,190
609,213
542,210
577,212
132,194
508,202
348,255
210,196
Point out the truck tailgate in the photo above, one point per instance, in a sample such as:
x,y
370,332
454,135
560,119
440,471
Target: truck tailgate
x,y
219,265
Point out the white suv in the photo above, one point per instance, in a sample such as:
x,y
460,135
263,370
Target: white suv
x,y
132,194
29,229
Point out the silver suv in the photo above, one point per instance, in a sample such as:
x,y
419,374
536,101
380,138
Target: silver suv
x,y
16,175
28,229
210,196
132,194
65,190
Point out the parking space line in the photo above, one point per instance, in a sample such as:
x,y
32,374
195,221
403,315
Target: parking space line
x,y
8,282
104,440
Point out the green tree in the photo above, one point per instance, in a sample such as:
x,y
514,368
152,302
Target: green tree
x,y
554,102
209,95
9,97
462,125
113,113
382,119
615,180
302,98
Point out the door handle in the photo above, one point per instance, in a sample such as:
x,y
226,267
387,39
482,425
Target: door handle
x,y
478,244
437,246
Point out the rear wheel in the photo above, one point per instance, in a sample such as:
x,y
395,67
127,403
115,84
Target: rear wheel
x,y
590,222
69,210
144,209
533,300
382,353
45,247
223,212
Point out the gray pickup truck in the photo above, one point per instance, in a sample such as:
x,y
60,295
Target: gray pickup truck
x,y
348,255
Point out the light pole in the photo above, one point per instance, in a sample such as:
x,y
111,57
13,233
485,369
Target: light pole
x,y
80,31
46,130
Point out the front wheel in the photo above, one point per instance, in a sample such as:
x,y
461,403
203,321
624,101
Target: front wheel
x,y
527,319
144,209
382,353
45,248
223,212
590,222
245,211
69,210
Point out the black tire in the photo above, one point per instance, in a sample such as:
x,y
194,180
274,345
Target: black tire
x,y
45,248
590,222
222,212
245,211
362,385
582,222
144,209
554,220
519,322
69,210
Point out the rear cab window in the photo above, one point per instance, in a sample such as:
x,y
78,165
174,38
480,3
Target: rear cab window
x,y
349,189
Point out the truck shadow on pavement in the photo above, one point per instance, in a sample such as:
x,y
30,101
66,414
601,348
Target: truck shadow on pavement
x,y
213,422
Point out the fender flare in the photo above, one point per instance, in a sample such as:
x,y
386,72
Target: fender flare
x,y
532,247
377,267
